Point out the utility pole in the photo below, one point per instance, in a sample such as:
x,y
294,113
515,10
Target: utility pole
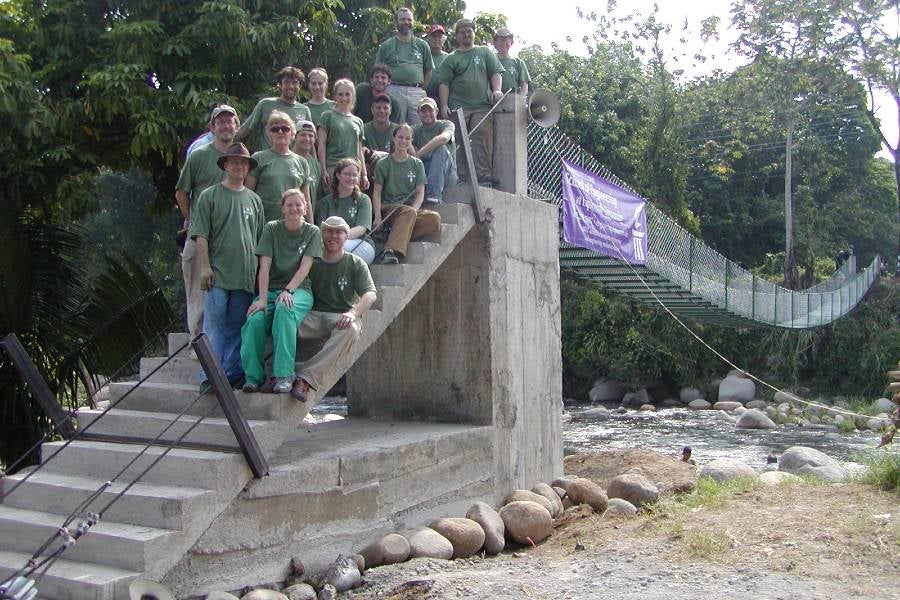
x,y
788,209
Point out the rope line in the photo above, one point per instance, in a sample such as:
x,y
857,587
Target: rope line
x,y
84,429
53,430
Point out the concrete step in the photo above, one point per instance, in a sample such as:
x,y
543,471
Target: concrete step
x,y
416,252
176,341
394,275
104,460
72,580
108,543
446,232
388,298
145,504
174,397
177,370
450,211
137,424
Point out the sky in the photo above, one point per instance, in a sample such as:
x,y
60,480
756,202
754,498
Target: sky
x,y
544,23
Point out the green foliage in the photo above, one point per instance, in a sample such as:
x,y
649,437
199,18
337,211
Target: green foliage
x,y
883,471
71,325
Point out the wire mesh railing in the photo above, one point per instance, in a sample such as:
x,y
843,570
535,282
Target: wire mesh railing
x,y
705,277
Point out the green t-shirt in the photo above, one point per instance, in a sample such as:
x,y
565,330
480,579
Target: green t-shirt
x,y
317,110
374,140
432,89
363,107
200,171
337,286
515,73
399,178
256,122
276,173
408,60
356,211
422,135
286,248
468,75
232,223
345,133
315,181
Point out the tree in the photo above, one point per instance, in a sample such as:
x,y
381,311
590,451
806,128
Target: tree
x,y
875,56
796,42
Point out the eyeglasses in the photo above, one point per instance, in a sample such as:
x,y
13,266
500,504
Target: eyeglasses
x,y
280,129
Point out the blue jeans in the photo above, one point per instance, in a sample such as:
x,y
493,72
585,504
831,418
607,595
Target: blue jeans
x,y
360,248
224,313
440,171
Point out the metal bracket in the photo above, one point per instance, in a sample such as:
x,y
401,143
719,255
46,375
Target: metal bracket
x,y
225,395
473,177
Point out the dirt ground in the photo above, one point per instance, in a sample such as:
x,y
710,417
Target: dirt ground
x,y
793,541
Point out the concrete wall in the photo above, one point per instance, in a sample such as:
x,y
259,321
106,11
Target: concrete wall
x,y
480,344
335,491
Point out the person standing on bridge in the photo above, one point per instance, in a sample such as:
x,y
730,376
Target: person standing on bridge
x,y
470,79
226,222
411,65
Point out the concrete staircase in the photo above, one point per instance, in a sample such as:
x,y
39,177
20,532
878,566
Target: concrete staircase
x,y
154,524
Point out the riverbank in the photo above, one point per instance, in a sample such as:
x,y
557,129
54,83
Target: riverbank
x,y
798,541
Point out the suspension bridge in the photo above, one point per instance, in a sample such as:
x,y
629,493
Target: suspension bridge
x,y
690,278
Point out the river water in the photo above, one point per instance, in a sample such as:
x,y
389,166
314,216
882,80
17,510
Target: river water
x,y
668,430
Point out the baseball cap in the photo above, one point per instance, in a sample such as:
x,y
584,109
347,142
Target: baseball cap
x,y
222,108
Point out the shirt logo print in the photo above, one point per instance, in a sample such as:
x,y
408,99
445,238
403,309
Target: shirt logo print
x,y
301,248
411,176
477,60
295,173
342,282
248,212
351,212
417,55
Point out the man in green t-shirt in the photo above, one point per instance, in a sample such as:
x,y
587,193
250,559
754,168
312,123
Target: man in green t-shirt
x,y
226,223
435,39
378,133
200,171
290,79
470,79
379,81
410,61
433,143
515,72
343,290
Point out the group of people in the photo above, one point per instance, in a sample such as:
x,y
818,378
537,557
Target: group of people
x,y
280,241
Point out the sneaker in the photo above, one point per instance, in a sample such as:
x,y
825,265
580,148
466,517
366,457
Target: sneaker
x,y
388,258
300,390
433,200
282,385
268,387
250,388
237,383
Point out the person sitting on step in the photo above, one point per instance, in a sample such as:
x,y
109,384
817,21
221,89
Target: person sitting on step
x,y
399,190
286,251
433,141
355,207
343,290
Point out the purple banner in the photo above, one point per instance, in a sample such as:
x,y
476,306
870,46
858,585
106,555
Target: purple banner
x,y
601,216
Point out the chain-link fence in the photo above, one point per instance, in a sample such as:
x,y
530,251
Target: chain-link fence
x,y
706,278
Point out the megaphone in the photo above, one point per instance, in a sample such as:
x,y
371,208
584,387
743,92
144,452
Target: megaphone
x,y
543,108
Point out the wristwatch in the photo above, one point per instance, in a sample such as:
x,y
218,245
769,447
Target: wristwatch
x,y
288,290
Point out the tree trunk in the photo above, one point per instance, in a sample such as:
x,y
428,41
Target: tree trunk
x,y
896,156
789,279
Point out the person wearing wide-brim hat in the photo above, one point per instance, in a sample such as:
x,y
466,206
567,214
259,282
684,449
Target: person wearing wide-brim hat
x,y
227,223
343,290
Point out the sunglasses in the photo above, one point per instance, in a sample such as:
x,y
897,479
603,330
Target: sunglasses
x,y
280,129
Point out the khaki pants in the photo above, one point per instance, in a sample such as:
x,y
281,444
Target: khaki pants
x,y
482,142
318,324
408,224
190,272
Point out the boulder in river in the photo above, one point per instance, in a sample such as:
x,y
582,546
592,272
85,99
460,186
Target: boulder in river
x,y
739,389
801,460
724,469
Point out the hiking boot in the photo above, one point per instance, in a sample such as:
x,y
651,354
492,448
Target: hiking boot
x,y
300,390
388,258
250,388
282,385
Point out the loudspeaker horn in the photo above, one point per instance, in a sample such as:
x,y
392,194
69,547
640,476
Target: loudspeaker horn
x,y
543,108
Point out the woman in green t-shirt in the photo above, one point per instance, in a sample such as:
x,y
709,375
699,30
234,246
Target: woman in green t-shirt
x,y
346,201
318,103
341,133
286,251
278,168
